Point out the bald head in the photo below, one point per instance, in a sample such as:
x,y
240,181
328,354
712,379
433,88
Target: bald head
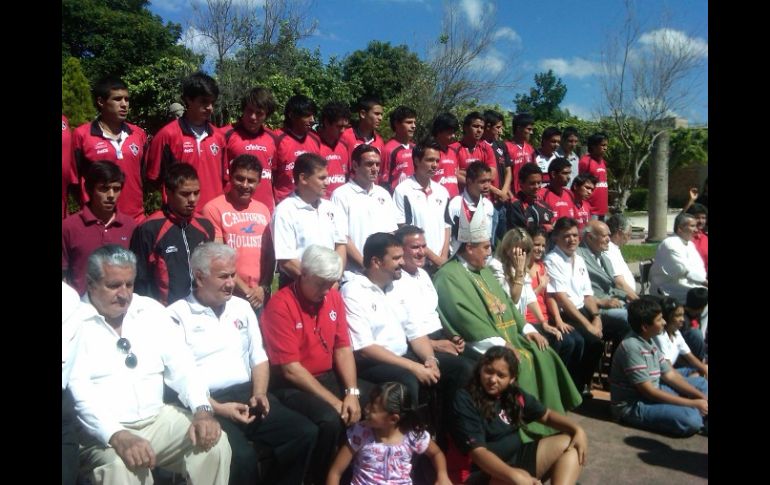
x,y
597,236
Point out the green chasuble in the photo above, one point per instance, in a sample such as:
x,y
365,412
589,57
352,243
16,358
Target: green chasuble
x,y
472,304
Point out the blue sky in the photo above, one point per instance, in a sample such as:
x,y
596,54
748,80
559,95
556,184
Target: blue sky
x,y
565,35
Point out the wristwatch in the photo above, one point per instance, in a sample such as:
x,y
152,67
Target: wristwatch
x,y
205,408
352,391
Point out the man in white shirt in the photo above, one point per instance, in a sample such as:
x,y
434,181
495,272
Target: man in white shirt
x,y
421,202
126,353
223,334
478,181
306,218
377,318
571,288
678,266
620,233
364,206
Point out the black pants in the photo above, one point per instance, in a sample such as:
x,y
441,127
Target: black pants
x,y
378,372
593,347
327,419
69,440
288,434
570,349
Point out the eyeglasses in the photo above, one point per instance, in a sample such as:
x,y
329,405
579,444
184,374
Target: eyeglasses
x,y
125,346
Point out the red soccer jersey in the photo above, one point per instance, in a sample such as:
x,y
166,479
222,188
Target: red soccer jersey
x,y
701,242
287,148
262,145
446,173
353,138
482,152
175,143
91,145
396,163
338,164
69,174
520,154
296,330
597,168
563,205
582,213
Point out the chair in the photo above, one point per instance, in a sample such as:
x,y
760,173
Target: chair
x,y
644,276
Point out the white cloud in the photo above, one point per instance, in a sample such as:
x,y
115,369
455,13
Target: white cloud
x,y
579,111
676,41
198,43
577,67
325,35
650,105
473,10
508,34
493,62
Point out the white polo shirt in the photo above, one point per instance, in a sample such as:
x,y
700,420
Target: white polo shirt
x,y
568,275
421,303
225,348
619,265
73,313
455,209
108,393
297,225
363,213
374,316
423,211
672,348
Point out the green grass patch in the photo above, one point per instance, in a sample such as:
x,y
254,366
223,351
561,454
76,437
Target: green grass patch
x,y
638,252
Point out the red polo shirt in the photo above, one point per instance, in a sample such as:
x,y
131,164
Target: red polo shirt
x,y
296,330
337,164
396,163
287,148
701,242
262,145
82,233
68,173
520,154
446,172
352,138
563,205
597,168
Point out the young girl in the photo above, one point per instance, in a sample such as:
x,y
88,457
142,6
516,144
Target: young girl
x,y
382,446
673,345
488,415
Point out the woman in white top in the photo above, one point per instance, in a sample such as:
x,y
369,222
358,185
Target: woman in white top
x,y
673,345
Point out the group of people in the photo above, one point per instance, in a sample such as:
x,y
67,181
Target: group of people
x,y
177,354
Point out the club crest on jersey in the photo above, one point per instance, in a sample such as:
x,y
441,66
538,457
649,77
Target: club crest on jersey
x,y
239,324
63,126
134,149
214,148
333,316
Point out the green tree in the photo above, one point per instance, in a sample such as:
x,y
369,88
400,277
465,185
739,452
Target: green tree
x,y
111,37
76,100
384,71
543,100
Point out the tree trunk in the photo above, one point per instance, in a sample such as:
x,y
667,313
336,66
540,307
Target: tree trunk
x,y
658,198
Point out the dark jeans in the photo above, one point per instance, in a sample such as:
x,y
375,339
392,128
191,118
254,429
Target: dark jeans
x,y
694,339
612,329
570,349
69,440
325,417
288,434
377,372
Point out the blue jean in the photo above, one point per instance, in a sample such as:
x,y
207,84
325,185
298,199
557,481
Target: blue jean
x,y
694,339
671,419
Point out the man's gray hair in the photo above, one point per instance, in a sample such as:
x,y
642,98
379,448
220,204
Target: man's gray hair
x,y
204,254
618,223
322,262
110,255
682,219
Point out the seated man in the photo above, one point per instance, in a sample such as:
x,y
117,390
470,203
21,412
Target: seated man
x,y
125,355
678,266
307,341
679,405
377,315
223,333
620,233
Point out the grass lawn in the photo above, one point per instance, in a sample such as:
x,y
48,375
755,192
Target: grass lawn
x,y
638,252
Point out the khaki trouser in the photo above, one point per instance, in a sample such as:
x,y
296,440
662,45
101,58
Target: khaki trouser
x,y
167,433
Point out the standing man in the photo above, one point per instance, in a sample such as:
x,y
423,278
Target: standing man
x,y
250,136
593,163
549,143
307,341
127,352
370,114
519,149
443,131
364,206
471,148
397,154
192,139
556,194
473,198
294,138
570,139
306,218
335,117
164,242
421,202
98,223
69,173
243,223
110,137
223,334
493,131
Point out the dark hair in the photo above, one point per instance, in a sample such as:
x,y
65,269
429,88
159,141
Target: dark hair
x,y
178,174
549,132
668,306
522,119
396,400
298,106
334,111
697,209
509,398
444,122
199,84
538,231
596,139
492,117
103,172
104,86
681,219
475,170
359,151
563,224
528,169
367,102
642,312
400,114
697,297
558,164
617,223
245,161
376,246
261,98
419,149
582,178
470,117
307,164
569,131
407,230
